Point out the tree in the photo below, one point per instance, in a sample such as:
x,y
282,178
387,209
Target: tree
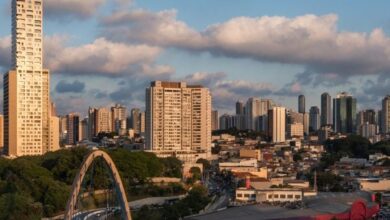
x,y
297,157
206,163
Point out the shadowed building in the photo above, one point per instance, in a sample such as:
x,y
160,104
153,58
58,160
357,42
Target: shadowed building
x,y
344,113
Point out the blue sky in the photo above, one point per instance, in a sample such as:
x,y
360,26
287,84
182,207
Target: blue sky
x,y
271,49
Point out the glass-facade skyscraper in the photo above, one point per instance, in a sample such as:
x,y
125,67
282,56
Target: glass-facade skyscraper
x,y
344,113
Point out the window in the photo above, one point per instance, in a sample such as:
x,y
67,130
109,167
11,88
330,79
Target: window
x,y
270,196
239,195
297,196
282,196
290,196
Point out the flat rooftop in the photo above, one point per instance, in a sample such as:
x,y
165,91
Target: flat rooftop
x,y
324,203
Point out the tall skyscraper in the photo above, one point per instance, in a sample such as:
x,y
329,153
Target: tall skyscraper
x,y
386,115
344,113
119,119
135,120
178,118
27,117
72,128
314,120
226,122
326,110
301,104
214,120
239,108
254,109
277,124
366,117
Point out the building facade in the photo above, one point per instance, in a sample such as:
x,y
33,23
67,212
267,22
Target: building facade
x,y
344,113
1,131
301,104
239,108
314,121
386,115
277,124
135,120
178,118
254,110
214,120
72,128
99,121
27,117
326,110
119,119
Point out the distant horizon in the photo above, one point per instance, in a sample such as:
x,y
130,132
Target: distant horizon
x,y
104,52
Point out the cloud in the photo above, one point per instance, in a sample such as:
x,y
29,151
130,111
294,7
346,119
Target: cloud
x,y
5,52
226,92
71,9
309,40
161,28
103,57
292,89
372,91
66,87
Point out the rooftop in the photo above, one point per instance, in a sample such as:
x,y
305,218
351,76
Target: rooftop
x,y
323,204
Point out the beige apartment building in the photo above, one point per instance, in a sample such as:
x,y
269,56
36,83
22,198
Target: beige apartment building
x,y
99,120
27,107
119,118
178,118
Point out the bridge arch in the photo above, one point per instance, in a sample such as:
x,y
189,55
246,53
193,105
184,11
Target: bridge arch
x,y
71,205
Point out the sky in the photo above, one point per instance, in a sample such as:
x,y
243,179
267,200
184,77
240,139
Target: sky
x,y
102,52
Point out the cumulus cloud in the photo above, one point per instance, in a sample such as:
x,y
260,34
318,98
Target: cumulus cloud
x,y
66,87
310,40
161,28
103,57
100,57
70,9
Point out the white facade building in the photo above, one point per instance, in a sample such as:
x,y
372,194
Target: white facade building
x,y
277,124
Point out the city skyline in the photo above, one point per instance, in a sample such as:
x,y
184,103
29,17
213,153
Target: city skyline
x,y
244,73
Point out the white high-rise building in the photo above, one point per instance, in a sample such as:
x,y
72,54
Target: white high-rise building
x,y
277,124
178,118
27,117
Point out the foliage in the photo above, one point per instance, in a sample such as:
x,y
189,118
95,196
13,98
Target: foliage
x,y
353,146
34,187
381,147
196,175
196,200
216,149
206,163
297,157
327,181
250,134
